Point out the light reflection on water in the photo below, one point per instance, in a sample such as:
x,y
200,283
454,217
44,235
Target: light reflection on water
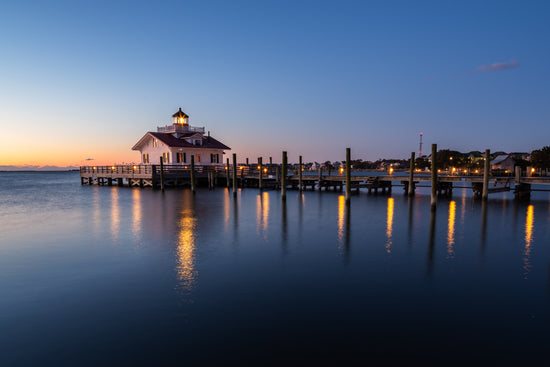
x,y
115,214
341,214
262,214
529,220
389,226
185,252
451,230
136,214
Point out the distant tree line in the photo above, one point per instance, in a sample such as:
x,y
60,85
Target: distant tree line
x,y
448,159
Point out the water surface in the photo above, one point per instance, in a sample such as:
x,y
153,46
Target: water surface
x,y
109,276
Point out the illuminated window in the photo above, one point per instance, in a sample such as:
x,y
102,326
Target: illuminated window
x,y
166,157
155,143
198,158
179,157
146,158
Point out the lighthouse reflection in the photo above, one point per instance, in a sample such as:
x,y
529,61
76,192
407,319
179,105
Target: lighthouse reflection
x,y
186,246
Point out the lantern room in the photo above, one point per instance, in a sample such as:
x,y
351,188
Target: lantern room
x,y
180,118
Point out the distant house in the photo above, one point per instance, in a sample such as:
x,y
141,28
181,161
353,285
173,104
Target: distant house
x,y
475,156
521,155
177,143
503,162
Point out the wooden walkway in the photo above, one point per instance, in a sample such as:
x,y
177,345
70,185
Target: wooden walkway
x,y
177,176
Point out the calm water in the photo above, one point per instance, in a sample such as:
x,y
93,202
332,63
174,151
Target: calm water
x,y
118,276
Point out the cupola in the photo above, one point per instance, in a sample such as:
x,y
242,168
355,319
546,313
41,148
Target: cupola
x,y
180,118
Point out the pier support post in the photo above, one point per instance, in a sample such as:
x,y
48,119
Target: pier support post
x,y
234,174
434,176
348,174
161,174
193,174
411,175
518,174
300,174
260,173
320,176
227,172
486,172
283,177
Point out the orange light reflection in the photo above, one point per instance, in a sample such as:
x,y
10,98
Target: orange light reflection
x,y
389,226
530,218
451,230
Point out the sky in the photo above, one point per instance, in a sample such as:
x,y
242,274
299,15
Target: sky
x,y
82,81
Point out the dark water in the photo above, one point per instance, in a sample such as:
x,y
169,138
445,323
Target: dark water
x,y
118,276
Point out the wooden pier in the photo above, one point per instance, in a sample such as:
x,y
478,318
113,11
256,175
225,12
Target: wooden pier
x,y
178,176
280,177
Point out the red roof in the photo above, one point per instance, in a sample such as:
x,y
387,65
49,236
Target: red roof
x,y
208,142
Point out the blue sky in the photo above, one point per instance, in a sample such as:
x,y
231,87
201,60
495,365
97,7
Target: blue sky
x,y
81,79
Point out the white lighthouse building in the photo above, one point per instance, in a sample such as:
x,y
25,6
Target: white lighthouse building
x,y
176,144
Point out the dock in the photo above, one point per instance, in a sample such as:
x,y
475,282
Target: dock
x,y
248,176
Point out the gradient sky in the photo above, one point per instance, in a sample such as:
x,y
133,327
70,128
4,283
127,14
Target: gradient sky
x,y
86,79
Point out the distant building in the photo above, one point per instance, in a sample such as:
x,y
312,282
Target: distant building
x,y
176,144
503,162
521,155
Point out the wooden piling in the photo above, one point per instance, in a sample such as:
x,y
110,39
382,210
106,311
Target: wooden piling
x,y
247,161
300,174
411,176
348,174
260,173
234,174
270,161
193,174
283,177
486,172
227,172
434,176
161,175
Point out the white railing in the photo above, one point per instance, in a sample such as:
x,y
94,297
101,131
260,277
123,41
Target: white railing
x,y
176,128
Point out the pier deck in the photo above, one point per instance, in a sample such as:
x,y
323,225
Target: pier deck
x,y
173,176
